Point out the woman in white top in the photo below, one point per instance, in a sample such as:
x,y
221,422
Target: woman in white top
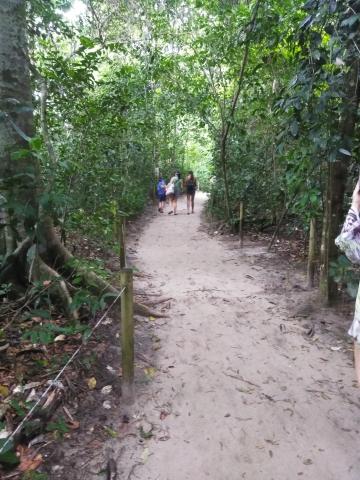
x,y
173,190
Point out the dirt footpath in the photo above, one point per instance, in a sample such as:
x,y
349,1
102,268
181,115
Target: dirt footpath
x,y
250,382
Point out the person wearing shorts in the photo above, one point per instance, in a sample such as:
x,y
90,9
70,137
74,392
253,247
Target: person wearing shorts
x,y
174,187
161,194
190,186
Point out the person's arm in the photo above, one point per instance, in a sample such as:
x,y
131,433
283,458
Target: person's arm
x,y
349,239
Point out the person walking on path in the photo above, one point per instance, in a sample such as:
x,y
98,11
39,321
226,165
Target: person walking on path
x,y
161,194
173,190
349,242
190,186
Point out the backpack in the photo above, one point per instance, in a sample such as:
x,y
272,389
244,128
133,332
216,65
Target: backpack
x,y
161,187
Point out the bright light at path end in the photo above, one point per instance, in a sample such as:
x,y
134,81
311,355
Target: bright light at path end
x,y
78,8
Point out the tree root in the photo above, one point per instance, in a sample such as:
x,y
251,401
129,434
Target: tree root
x,y
9,266
54,253
145,311
54,258
160,300
58,288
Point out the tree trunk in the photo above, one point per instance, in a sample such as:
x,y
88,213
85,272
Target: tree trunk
x,y
333,217
311,265
229,119
20,177
223,162
336,184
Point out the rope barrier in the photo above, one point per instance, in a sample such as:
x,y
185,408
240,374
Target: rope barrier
x,y
55,383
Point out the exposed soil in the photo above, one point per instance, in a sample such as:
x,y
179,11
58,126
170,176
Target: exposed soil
x,y
247,378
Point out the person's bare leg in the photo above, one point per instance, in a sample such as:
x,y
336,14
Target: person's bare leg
x,y
175,206
192,202
188,203
357,360
171,201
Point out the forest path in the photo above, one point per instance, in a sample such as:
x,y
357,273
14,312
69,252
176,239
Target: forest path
x,y
243,394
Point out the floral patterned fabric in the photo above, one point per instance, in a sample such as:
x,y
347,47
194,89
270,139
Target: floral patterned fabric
x,y
349,242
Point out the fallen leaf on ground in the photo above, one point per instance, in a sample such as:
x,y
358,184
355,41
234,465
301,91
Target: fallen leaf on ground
x,y
163,436
272,442
28,460
4,434
73,424
49,400
32,396
163,415
150,372
60,338
106,390
107,405
91,383
31,385
145,455
37,440
4,391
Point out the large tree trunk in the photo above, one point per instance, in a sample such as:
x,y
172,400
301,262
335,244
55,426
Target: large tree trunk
x,y
19,176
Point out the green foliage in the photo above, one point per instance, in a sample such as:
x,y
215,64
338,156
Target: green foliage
x,y
94,265
5,289
58,427
344,272
19,408
8,457
33,475
46,333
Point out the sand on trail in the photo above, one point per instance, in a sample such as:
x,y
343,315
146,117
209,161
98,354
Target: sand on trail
x,y
239,392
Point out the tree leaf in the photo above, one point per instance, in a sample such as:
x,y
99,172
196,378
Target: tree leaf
x,y
294,128
345,152
8,457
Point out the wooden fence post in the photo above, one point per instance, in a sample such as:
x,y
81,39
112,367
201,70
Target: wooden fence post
x,y
241,224
120,238
312,254
127,335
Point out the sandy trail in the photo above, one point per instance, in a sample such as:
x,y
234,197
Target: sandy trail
x,y
245,400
